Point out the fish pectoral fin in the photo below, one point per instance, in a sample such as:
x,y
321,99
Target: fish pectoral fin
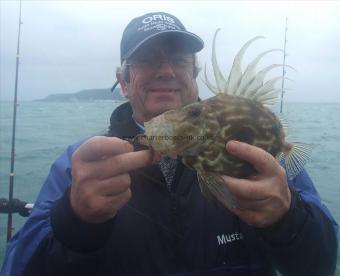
x,y
296,158
213,187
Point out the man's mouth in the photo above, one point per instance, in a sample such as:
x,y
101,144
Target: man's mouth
x,y
163,90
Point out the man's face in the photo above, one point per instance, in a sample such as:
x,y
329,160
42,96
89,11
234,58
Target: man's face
x,y
161,77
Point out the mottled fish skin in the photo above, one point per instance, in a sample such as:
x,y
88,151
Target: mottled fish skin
x,y
199,133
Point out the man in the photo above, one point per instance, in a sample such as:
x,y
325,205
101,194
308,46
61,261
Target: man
x,y
108,209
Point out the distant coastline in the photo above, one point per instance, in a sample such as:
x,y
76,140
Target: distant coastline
x,y
87,95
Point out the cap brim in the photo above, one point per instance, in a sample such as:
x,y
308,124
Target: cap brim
x,y
191,41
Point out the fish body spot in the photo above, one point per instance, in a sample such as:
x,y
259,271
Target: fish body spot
x,y
244,134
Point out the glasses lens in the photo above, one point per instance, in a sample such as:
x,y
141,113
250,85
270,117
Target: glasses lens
x,y
178,61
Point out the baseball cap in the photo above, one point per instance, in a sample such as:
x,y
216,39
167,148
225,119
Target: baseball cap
x,y
148,26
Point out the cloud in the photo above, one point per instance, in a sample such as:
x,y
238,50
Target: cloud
x,y
67,46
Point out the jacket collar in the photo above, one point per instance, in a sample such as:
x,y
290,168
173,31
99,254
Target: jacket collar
x,y
122,124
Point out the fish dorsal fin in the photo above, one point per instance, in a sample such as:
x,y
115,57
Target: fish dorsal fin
x,y
296,158
249,74
249,84
268,92
251,91
211,87
235,76
220,80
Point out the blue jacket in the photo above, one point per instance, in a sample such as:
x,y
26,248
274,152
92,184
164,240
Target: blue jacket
x,y
168,232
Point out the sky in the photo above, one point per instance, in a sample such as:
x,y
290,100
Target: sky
x,y
68,46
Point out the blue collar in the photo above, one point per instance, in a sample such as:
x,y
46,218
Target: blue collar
x,y
140,126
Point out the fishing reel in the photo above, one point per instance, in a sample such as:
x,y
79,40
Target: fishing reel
x,y
15,206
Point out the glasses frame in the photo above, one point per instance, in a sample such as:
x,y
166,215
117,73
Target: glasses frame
x,y
177,61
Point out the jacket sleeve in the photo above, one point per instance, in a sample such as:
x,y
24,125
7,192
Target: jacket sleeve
x,y
38,248
304,242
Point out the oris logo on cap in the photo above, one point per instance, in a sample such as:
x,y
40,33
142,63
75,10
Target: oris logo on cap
x,y
155,17
159,22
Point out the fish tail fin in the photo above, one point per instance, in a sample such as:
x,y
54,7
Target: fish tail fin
x,y
284,123
213,187
296,156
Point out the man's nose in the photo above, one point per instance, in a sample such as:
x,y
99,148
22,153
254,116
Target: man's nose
x,y
165,69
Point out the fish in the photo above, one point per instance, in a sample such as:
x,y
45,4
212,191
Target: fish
x,y
240,110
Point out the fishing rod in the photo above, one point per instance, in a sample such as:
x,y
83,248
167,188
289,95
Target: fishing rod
x,y
15,104
283,68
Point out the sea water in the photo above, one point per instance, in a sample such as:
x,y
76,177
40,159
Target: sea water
x,y
44,129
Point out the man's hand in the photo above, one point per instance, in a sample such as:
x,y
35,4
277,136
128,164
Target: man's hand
x,y
264,197
100,179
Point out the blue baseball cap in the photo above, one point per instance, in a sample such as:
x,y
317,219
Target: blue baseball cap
x,y
146,27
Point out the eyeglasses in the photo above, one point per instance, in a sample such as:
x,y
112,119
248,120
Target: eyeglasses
x,y
178,62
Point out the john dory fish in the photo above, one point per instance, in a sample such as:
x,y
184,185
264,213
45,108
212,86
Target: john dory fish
x,y
239,111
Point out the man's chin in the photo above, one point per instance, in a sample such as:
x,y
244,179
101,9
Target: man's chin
x,y
161,107
158,111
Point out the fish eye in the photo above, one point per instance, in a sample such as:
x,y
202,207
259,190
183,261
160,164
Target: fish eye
x,y
195,111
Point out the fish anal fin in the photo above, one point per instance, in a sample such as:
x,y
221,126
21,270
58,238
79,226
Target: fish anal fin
x,y
204,190
213,187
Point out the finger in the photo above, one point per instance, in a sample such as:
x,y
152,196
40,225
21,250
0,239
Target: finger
x,y
122,163
115,185
259,158
248,216
117,202
100,146
245,189
102,208
246,204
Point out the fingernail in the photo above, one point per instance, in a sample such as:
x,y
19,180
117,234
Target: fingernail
x,y
156,156
232,146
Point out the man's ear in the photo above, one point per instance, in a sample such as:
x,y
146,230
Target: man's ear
x,y
122,82
196,71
